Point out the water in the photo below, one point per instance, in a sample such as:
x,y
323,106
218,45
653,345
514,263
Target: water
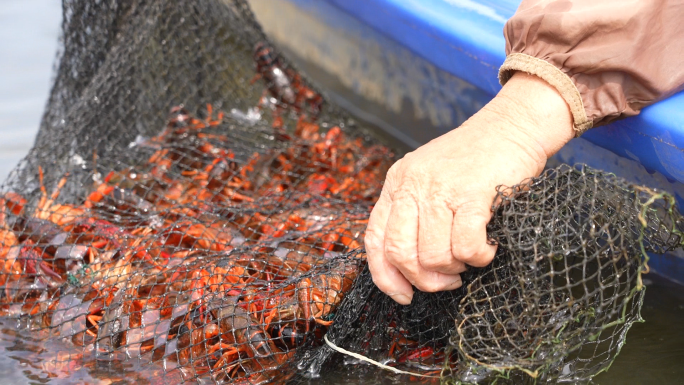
x,y
29,32
654,352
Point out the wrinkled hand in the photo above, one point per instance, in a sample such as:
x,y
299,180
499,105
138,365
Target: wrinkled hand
x,y
430,221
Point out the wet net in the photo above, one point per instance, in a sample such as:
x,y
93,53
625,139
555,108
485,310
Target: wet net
x,y
556,303
193,210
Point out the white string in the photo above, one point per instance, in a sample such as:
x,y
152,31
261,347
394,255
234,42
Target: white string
x,y
376,363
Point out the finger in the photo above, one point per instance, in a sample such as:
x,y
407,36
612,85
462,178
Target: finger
x,y
374,239
401,248
469,235
434,240
390,280
385,276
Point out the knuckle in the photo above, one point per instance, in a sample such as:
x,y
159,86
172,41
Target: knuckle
x,y
372,241
472,255
397,250
406,169
466,253
394,169
472,208
433,259
440,193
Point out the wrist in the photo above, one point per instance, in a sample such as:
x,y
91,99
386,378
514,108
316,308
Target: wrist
x,y
535,112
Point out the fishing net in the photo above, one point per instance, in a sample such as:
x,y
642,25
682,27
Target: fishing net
x,y
193,209
555,305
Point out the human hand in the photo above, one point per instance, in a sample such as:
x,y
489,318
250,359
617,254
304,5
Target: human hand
x,y
430,221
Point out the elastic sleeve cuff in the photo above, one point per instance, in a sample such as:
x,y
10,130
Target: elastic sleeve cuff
x,y
556,78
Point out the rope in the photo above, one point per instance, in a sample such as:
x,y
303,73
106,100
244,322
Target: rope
x,y
366,359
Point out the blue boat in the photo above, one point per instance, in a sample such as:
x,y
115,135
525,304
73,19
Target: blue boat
x,y
418,68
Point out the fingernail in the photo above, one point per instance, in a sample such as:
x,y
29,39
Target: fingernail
x,y
402,299
456,284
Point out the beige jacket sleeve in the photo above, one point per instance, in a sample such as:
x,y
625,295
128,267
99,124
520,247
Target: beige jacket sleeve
x,y
608,58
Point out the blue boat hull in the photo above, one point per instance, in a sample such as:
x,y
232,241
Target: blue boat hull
x,y
419,68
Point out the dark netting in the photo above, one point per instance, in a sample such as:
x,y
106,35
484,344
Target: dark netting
x,y
556,303
222,241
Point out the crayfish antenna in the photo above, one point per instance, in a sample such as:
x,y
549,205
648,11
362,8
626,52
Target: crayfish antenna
x,y
60,185
40,180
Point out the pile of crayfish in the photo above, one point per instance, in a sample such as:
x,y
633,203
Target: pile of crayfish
x,y
211,260
216,249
